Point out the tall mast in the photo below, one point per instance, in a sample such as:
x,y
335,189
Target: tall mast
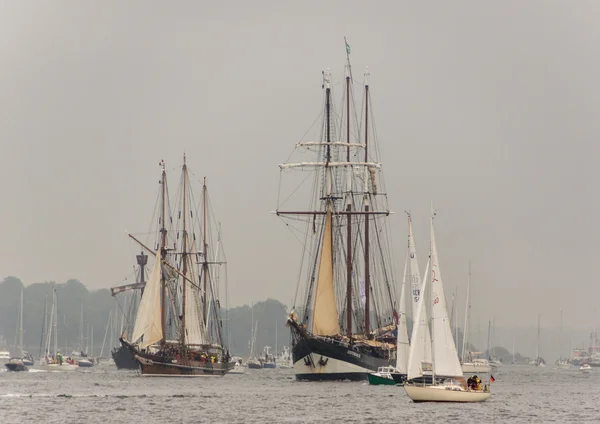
x,y
561,335
163,242
184,253
204,252
349,210
55,323
367,272
42,340
21,326
81,327
467,312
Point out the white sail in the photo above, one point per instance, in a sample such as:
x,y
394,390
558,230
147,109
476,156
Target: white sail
x,y
417,291
445,358
402,346
194,333
148,318
418,349
325,316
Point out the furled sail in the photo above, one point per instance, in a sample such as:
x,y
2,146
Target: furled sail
x,y
403,346
417,352
148,319
325,316
445,358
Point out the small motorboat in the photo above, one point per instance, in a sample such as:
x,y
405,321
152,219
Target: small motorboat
x,y
16,364
84,363
238,368
383,376
585,368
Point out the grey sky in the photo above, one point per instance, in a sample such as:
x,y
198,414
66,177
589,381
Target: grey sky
x,y
489,110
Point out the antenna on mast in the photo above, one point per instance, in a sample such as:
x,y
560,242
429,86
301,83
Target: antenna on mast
x,y
348,58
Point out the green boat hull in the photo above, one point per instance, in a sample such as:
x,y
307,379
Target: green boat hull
x,y
377,380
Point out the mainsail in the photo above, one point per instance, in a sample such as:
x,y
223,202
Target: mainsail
x,y
325,317
402,346
418,292
416,355
194,333
445,358
148,320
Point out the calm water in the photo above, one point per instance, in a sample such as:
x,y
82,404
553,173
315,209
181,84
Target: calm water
x,y
521,394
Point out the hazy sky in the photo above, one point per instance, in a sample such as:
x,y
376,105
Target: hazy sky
x,y
490,109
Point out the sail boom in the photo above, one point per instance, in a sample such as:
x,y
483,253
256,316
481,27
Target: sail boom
x,y
374,165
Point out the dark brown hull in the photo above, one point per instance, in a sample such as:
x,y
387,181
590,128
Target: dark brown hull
x,y
182,368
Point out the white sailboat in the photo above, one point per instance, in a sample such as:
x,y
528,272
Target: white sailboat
x,y
562,362
447,383
538,360
470,362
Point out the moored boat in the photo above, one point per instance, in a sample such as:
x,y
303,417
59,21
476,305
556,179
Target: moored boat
x,y
16,364
383,376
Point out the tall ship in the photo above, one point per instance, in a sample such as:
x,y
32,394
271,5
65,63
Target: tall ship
x,y
344,320
178,329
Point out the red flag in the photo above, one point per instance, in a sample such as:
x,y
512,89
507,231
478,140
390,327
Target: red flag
x,y
492,379
396,317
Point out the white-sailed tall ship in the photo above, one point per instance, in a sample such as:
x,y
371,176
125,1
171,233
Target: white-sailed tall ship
x,y
343,327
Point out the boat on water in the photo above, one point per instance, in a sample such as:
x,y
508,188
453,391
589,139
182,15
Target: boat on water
x,y
471,362
345,261
16,364
383,376
238,366
267,359
178,330
4,356
538,361
585,368
442,379
284,360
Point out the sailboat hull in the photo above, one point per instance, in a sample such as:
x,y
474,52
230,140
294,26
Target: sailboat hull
x,y
324,359
443,394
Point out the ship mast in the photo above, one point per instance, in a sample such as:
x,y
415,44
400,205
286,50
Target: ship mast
x,y
163,241
184,253
204,251
367,272
348,205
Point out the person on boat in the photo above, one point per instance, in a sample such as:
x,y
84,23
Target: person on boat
x,y
59,358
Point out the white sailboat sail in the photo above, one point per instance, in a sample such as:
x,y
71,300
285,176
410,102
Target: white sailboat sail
x,y
403,346
418,291
445,358
148,318
417,352
325,317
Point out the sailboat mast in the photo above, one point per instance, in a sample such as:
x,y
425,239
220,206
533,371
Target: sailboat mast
x,y
163,242
561,335
184,253
467,310
81,327
55,323
204,253
21,325
537,348
367,271
349,217
42,340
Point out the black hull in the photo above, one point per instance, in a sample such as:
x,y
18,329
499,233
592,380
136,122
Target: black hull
x,y
16,367
399,378
318,359
124,359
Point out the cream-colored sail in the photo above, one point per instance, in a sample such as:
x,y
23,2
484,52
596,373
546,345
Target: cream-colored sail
x,y
194,333
445,358
325,317
148,319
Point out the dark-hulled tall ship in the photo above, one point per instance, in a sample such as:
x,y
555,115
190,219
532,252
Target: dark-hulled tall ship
x,y
178,328
344,322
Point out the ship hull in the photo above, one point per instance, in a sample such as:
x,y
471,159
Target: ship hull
x,y
442,394
155,365
12,366
323,359
124,359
